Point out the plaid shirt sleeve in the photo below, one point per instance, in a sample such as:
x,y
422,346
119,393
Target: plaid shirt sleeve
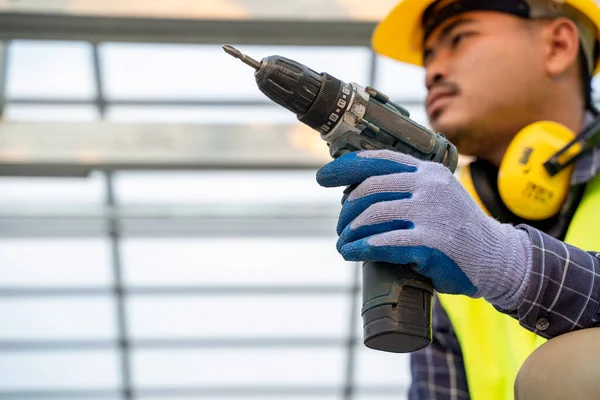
x,y
563,295
564,289
438,370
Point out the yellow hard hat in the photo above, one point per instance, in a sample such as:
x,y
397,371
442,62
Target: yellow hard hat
x,y
400,34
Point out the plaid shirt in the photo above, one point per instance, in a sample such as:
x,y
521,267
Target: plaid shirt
x,y
563,295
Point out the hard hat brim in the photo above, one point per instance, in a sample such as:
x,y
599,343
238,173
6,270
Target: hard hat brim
x,y
398,35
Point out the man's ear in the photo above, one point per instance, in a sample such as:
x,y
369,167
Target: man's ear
x,y
561,43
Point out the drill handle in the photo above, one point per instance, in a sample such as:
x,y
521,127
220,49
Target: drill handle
x,y
396,306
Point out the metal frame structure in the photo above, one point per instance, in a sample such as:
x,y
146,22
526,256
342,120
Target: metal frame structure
x,y
113,29
96,30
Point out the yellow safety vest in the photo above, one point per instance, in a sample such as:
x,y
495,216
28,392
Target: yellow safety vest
x,y
494,345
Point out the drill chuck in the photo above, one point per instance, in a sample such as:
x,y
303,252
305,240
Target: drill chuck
x,y
313,97
396,307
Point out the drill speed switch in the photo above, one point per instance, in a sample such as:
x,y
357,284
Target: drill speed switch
x,y
396,307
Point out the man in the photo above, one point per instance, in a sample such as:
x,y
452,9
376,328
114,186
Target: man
x,y
492,69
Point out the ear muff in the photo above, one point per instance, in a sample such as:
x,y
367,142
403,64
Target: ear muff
x,y
524,185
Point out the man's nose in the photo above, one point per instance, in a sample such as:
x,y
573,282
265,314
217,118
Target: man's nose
x,y
436,70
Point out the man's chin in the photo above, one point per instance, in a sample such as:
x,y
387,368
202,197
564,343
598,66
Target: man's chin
x,y
445,123
456,130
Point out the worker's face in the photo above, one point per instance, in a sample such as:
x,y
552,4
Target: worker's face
x,y
482,75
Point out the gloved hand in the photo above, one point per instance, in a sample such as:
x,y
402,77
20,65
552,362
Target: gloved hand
x,y
409,211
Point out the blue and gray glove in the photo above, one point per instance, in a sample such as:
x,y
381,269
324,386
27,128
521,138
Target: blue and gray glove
x,y
404,210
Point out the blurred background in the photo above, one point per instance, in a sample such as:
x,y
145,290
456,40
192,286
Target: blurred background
x,y
162,235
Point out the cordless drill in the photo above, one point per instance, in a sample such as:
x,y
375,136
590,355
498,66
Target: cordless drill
x,y
396,307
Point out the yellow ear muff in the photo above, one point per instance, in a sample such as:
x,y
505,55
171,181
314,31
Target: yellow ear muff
x,y
524,185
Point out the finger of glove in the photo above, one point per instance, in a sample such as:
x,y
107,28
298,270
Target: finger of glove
x,y
375,190
353,168
354,208
396,182
351,235
390,209
400,247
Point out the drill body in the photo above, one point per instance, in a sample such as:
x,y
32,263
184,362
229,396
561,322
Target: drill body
x,y
396,306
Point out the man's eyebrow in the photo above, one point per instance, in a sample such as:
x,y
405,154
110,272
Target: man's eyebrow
x,y
453,25
447,30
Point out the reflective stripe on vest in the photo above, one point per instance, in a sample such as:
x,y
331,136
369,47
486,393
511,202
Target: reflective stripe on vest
x,y
494,345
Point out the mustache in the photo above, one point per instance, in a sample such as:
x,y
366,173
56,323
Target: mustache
x,y
445,86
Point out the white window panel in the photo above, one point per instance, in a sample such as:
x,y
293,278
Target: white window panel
x,y
359,395
380,368
59,370
235,316
46,69
23,192
223,187
91,396
185,71
246,397
57,318
55,262
239,367
215,115
234,261
51,113
400,81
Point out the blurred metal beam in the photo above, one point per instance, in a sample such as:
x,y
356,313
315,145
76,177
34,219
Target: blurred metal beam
x,y
275,392
178,221
169,102
189,290
178,343
207,211
355,308
114,235
272,391
63,227
100,100
54,394
3,74
56,345
158,30
200,221
74,170
296,227
46,148
47,170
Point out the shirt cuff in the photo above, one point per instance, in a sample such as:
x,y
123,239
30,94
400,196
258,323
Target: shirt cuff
x,y
563,292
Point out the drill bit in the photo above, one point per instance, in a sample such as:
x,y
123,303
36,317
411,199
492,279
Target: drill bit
x,y
232,51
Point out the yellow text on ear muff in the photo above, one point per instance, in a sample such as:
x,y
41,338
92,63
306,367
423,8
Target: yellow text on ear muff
x,y
526,188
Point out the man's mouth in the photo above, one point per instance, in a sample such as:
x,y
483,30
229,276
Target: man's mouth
x,y
436,101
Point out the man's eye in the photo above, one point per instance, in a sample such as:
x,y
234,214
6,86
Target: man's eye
x,y
427,56
456,39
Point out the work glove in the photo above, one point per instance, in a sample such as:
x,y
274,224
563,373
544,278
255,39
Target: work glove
x,y
404,210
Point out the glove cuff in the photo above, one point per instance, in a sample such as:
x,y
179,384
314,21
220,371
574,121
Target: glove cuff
x,y
512,276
